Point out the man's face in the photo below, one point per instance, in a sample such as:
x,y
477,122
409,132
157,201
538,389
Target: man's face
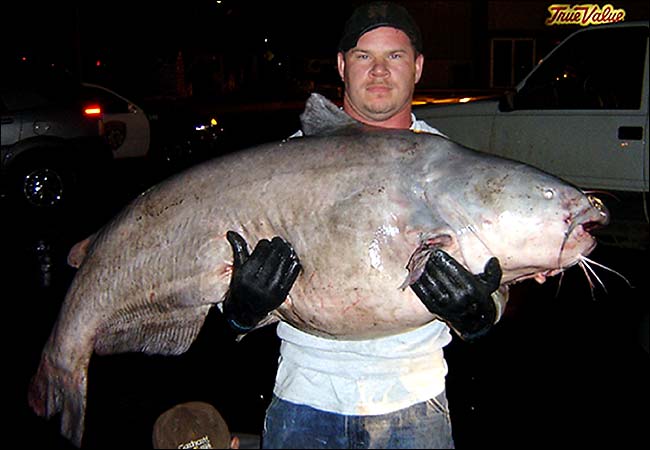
x,y
380,74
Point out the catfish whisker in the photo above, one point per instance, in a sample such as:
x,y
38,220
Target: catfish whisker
x,y
559,284
564,241
590,261
582,265
593,272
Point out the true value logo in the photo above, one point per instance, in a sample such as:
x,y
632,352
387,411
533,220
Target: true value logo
x,y
583,15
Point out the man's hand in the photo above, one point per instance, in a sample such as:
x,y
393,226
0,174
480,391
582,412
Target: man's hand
x,y
260,281
457,296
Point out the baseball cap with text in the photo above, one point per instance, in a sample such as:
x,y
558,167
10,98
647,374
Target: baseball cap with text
x,y
191,425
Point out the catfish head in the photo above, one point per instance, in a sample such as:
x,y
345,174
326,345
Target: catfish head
x,y
535,224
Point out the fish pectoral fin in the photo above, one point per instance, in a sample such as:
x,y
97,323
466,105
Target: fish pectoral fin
x,y
79,251
152,331
445,240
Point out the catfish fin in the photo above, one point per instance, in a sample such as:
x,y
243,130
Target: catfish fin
x,y
79,251
444,240
152,329
322,117
61,390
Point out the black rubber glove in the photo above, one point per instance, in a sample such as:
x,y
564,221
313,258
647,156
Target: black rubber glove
x,y
457,296
260,281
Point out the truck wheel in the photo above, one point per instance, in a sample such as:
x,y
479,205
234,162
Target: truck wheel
x,y
45,185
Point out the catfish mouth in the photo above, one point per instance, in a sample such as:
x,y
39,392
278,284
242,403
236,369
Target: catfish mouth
x,y
582,225
595,217
588,227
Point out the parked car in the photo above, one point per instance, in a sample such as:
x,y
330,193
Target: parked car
x,y
52,147
581,114
126,126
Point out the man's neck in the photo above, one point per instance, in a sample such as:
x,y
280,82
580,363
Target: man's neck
x,y
401,120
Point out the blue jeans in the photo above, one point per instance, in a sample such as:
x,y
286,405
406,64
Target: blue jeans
x,y
424,425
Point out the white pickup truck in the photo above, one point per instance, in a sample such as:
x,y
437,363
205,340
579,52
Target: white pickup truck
x,y
581,114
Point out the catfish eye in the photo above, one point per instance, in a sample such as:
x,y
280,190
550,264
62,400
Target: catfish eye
x,y
548,193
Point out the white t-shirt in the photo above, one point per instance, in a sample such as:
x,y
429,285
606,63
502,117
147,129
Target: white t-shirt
x,y
367,377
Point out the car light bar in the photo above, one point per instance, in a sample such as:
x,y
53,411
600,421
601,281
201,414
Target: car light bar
x,y
93,110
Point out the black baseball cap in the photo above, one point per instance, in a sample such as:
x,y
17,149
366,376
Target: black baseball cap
x,y
373,15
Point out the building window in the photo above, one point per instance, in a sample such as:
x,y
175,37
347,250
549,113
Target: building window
x,y
510,61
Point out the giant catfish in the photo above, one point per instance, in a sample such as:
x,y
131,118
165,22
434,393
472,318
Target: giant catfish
x,y
363,207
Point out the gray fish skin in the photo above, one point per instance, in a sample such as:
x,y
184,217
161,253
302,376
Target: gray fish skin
x,y
362,207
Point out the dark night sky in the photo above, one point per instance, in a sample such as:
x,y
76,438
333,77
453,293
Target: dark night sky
x,y
131,37
121,26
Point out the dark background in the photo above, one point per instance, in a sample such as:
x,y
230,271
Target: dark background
x,y
566,365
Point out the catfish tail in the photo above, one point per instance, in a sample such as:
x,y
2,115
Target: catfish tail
x,y
60,390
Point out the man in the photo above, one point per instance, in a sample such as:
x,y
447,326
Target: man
x,y
387,392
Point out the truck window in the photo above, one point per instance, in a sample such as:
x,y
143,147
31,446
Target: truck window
x,y
596,69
